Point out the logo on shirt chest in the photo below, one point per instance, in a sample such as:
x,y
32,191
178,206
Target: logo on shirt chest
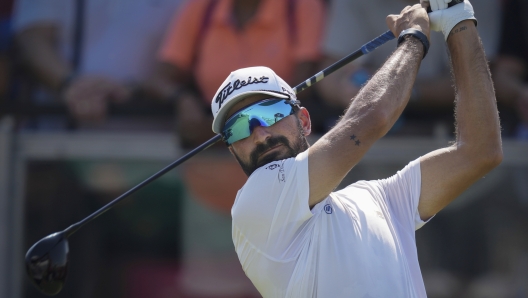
x,y
280,175
328,209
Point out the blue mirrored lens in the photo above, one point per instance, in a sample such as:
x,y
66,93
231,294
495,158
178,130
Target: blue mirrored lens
x,y
263,113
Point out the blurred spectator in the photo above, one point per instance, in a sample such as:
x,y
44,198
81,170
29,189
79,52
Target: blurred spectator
x,y
209,39
511,71
353,23
5,43
89,53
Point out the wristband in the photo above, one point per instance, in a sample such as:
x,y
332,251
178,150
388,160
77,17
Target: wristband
x,y
417,34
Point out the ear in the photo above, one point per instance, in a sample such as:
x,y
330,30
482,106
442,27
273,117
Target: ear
x,y
306,123
231,150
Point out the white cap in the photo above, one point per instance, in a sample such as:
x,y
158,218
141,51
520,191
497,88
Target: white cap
x,y
242,83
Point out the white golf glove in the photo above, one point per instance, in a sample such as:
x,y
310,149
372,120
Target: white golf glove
x,y
436,4
443,20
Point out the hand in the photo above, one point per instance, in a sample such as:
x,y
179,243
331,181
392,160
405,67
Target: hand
x,y
87,97
414,17
443,20
435,4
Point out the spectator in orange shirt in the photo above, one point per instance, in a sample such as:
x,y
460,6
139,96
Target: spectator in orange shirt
x,y
210,38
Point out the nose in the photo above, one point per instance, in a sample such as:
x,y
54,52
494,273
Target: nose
x,y
255,122
259,132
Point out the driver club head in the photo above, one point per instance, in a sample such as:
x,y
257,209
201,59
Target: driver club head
x,y
47,263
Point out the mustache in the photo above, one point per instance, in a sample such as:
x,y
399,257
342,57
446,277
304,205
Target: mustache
x,y
261,148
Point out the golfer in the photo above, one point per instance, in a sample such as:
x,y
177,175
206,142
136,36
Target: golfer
x,y
297,237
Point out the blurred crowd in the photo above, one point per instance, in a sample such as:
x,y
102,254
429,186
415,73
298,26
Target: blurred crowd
x,y
154,66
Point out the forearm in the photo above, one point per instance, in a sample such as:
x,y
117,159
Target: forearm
x,y
385,96
369,117
372,112
478,128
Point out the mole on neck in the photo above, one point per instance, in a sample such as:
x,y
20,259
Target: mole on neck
x,y
244,11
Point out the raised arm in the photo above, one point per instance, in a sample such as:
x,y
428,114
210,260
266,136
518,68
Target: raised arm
x,y
447,172
372,113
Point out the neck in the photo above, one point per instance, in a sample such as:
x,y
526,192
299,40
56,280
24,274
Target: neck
x,y
244,11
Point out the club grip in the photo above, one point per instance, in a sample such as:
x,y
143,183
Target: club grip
x,y
376,42
452,3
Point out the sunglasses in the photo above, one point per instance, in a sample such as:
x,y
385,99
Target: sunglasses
x,y
263,113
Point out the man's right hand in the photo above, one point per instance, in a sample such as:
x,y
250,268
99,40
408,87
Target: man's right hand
x,y
414,17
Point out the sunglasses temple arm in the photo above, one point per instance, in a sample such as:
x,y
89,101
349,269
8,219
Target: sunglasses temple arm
x,y
365,49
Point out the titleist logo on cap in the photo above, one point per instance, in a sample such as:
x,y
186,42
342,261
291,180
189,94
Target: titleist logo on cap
x,y
230,88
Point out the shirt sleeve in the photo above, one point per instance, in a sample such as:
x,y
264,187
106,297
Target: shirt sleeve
x,y
309,19
402,195
271,208
179,45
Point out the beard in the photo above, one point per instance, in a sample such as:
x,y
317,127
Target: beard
x,y
298,145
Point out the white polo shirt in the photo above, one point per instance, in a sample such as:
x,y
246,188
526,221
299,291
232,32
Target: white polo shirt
x,y
358,242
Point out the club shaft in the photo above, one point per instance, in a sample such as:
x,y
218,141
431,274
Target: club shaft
x,y
73,228
366,48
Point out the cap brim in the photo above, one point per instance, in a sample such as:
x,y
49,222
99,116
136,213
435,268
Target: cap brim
x,y
218,121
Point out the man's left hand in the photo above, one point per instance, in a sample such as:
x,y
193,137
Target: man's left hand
x,y
443,20
435,4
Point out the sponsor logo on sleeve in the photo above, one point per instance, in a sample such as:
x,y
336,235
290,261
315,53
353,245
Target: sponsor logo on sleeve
x,y
273,166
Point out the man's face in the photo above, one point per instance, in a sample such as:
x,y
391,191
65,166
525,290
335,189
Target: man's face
x,y
282,140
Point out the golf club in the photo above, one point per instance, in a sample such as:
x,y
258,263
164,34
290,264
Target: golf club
x,y
47,260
